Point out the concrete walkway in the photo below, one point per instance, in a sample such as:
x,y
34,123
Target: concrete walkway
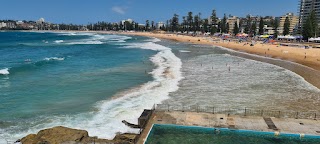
x,y
287,125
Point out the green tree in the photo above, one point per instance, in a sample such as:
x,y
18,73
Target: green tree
x,y
175,22
127,25
275,26
213,29
261,25
253,28
227,28
147,25
190,21
236,28
224,24
184,23
205,27
196,23
247,29
310,26
214,17
153,27
136,26
286,26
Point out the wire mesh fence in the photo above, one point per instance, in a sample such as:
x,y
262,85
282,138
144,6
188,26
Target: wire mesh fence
x,y
239,111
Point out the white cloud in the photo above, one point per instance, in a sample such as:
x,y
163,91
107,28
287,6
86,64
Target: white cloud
x,y
119,10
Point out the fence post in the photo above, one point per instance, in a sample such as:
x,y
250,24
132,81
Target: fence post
x,y
297,115
245,111
315,116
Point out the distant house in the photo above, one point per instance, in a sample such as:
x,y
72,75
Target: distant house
x,y
3,25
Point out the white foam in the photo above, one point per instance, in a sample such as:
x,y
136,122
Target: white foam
x,y
153,40
54,58
74,34
128,107
101,39
106,122
4,71
58,41
184,51
85,42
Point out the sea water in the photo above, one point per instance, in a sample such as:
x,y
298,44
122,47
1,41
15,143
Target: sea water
x,y
94,81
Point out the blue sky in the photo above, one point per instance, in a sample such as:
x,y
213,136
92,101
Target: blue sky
x,y
85,11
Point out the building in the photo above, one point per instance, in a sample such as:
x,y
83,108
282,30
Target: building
x,y
160,25
11,25
306,6
3,25
231,22
40,21
294,21
128,20
268,30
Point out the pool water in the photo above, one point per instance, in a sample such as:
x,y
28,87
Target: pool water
x,y
174,134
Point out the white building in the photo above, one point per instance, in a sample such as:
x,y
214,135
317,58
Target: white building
x,y
19,22
160,25
40,21
3,24
128,20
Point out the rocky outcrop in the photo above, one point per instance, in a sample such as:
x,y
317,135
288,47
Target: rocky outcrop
x,y
64,135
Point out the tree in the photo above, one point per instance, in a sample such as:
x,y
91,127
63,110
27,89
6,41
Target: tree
x,y
184,23
253,28
236,28
275,26
227,28
121,25
310,26
205,27
147,25
286,26
261,25
152,25
196,23
190,21
175,22
128,25
136,26
213,17
224,24
213,29
247,29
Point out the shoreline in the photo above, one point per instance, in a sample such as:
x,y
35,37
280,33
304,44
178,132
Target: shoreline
x,y
284,56
290,58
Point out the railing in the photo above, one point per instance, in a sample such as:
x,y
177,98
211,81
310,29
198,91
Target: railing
x,y
239,111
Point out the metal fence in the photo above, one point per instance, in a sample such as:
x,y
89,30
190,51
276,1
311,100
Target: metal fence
x,y
239,111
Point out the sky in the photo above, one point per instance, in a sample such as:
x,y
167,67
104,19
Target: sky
x,y
90,11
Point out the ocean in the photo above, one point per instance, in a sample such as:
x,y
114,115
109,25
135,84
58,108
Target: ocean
x,y
94,81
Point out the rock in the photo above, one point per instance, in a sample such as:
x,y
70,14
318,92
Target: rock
x,y
127,137
64,135
56,135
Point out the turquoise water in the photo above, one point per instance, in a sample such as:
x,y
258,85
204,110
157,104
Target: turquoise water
x,y
79,80
174,134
